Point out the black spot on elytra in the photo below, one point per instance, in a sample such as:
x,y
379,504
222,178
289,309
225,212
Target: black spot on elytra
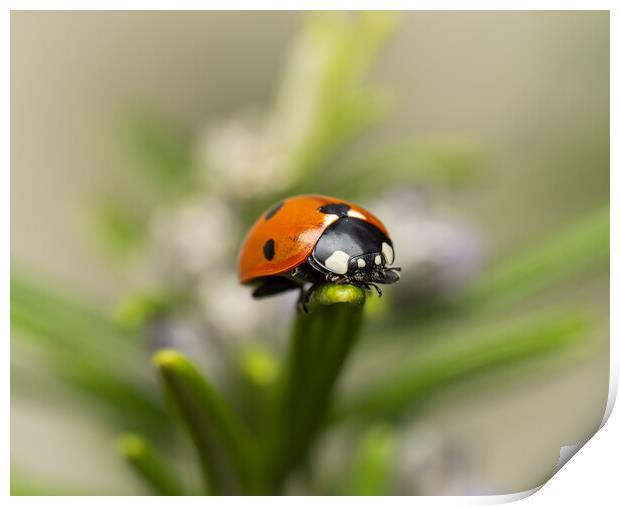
x,y
269,249
339,210
272,212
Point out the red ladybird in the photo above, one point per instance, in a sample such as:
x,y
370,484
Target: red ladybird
x,y
316,239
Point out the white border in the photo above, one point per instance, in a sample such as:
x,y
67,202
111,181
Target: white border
x,y
591,476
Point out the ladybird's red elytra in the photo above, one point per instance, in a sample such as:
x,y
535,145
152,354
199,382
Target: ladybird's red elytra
x,y
312,239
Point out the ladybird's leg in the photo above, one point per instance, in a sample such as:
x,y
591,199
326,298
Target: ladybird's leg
x,y
302,306
376,287
300,275
273,285
367,286
304,298
302,302
335,278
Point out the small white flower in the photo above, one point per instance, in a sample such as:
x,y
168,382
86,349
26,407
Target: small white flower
x,y
192,238
239,157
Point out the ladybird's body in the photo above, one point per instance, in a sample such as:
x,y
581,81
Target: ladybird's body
x,y
313,239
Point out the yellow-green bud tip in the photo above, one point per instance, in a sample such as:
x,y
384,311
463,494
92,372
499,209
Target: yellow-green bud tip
x,y
335,294
167,358
260,367
132,445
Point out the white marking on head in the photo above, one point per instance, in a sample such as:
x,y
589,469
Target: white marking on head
x,y
378,260
356,214
329,219
388,253
361,263
338,262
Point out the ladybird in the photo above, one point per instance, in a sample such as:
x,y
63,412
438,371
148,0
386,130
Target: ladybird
x,y
313,239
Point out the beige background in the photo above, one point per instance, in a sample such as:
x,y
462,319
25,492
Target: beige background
x,y
532,88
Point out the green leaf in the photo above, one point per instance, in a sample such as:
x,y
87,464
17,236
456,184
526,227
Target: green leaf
x,y
455,360
320,343
61,325
575,249
256,375
118,227
431,162
141,308
69,356
228,454
64,326
161,151
55,309
24,483
85,350
342,126
372,469
323,102
259,367
121,394
149,466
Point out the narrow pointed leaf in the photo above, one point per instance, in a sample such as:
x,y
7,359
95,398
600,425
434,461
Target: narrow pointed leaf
x,y
228,454
577,249
573,250
149,466
25,483
70,313
436,162
413,381
373,465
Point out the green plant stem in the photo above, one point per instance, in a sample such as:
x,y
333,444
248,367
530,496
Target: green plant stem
x,y
228,454
149,466
373,464
320,343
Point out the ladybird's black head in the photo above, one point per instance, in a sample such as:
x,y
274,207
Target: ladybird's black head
x,y
386,276
353,250
383,275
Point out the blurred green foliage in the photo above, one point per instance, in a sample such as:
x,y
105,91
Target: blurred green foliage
x,y
372,469
150,466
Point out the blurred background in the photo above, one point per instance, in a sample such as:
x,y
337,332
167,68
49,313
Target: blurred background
x,y
493,126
